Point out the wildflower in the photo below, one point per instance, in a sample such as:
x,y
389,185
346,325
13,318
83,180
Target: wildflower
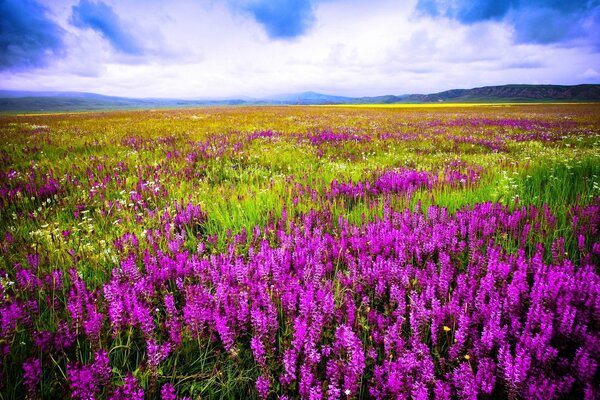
x,y
43,340
101,367
262,386
32,372
168,392
157,353
129,391
82,381
258,350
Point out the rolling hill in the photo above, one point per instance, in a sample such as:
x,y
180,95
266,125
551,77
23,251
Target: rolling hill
x,y
21,101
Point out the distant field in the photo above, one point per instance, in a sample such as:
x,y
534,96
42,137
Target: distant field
x,y
368,251
462,105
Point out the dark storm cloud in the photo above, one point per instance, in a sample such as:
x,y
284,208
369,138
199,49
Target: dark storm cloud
x,y
536,21
27,36
101,18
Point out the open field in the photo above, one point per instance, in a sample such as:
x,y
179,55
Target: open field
x,y
451,104
314,252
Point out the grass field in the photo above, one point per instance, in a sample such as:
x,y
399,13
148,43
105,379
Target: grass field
x,y
450,104
301,252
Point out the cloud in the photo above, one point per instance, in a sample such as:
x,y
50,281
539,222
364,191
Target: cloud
x,y
522,65
210,48
534,21
466,11
101,18
545,26
282,19
590,74
27,36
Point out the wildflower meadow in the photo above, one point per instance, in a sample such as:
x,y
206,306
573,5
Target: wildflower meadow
x,y
291,252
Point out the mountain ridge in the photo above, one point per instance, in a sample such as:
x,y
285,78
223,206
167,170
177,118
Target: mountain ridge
x,y
53,101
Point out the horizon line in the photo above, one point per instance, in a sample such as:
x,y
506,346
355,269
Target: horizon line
x,y
270,97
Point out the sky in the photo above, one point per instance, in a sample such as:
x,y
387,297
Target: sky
x,y
256,48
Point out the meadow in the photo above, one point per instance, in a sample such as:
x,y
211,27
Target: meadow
x,y
301,252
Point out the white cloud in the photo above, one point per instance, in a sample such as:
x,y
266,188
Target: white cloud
x,y
202,49
590,73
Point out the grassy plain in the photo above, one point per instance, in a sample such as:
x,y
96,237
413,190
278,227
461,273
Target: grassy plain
x,y
173,203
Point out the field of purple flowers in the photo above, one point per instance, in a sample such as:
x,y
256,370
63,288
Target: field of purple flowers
x,y
301,252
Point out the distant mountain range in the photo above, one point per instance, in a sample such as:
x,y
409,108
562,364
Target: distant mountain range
x,y
21,101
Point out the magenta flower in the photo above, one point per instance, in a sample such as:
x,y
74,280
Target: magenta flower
x,y
32,369
129,391
167,392
262,386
